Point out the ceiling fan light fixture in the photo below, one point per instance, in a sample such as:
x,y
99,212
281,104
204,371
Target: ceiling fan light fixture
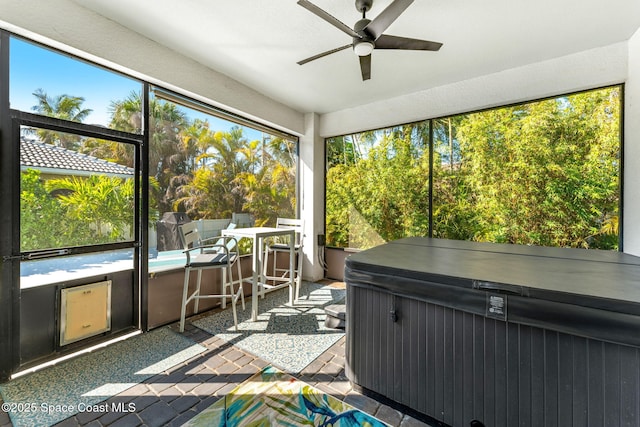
x,y
363,48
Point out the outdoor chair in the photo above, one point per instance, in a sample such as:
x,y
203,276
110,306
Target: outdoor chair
x,y
201,255
280,274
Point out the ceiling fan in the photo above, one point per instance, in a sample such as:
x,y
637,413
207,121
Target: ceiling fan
x,y
367,34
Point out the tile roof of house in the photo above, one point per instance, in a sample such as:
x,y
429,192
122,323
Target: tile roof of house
x,y
52,159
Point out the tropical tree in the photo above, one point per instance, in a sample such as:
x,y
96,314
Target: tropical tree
x,y
64,107
383,196
167,156
270,189
543,173
105,203
43,220
216,190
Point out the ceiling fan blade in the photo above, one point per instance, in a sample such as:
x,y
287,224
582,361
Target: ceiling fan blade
x,y
386,17
329,18
394,42
365,67
320,55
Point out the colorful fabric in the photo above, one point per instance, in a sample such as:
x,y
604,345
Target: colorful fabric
x,y
274,398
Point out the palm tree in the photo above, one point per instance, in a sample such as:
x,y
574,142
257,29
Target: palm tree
x,y
217,190
167,156
64,107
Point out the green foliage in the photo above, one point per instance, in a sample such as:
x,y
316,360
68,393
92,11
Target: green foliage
x,y
104,203
544,173
383,196
43,220
192,168
88,211
208,173
237,175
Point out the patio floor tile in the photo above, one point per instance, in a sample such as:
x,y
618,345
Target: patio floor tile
x,y
176,396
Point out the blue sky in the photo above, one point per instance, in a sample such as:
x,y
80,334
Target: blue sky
x,y
33,67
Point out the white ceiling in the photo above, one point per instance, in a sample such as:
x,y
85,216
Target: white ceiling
x,y
258,42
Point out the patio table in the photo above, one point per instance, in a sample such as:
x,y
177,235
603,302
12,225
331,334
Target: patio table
x,y
258,234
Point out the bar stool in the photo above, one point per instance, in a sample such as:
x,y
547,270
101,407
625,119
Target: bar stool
x,y
280,274
200,256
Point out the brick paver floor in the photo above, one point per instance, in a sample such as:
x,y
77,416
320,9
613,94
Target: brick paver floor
x,y
177,395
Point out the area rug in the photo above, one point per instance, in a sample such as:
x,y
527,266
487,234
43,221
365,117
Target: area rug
x,y
289,337
55,393
274,398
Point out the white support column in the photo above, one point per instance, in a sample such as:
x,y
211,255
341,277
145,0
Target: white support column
x,y
631,196
311,176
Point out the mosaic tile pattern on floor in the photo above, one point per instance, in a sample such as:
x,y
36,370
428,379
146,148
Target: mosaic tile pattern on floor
x,y
48,396
287,337
175,396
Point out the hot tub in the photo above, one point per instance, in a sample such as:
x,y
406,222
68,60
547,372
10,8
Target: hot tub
x,y
506,335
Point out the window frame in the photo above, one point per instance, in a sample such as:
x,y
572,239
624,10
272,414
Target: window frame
x,y
620,86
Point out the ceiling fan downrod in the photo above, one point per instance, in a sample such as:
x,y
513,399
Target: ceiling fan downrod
x,y
363,6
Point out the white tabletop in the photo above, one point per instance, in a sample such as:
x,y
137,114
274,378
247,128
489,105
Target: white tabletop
x,y
257,231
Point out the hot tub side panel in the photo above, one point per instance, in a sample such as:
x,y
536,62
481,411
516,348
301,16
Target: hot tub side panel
x,y
456,366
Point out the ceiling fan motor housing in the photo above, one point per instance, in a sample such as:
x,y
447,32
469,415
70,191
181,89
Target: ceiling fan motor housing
x,y
359,28
363,5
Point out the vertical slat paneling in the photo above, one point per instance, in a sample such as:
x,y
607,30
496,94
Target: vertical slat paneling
x,y
524,375
551,369
458,363
431,357
455,366
396,361
537,376
501,375
467,368
421,359
565,380
513,377
354,345
378,325
351,327
596,383
489,394
612,385
447,367
389,305
478,367
580,382
364,346
409,378
439,361
629,367
365,336
385,333
369,332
